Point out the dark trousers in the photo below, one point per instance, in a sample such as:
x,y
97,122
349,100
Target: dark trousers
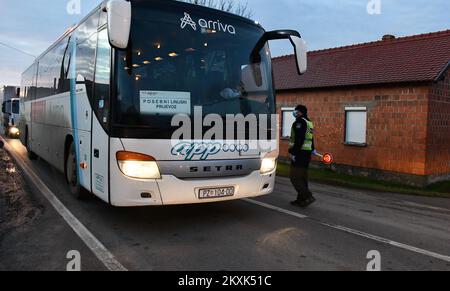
x,y
299,178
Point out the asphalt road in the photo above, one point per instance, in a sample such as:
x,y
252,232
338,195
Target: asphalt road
x,y
267,234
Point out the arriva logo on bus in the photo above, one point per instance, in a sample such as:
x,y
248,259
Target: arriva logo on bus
x,y
206,24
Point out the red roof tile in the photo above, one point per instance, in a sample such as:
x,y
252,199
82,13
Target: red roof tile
x,y
406,59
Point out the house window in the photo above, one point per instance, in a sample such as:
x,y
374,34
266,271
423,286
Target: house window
x,y
356,126
287,119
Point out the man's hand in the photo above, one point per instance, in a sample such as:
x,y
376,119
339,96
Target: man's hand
x,y
292,158
229,93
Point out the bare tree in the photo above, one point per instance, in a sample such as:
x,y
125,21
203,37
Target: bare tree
x,y
241,9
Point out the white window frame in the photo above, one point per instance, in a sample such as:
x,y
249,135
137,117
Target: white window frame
x,y
283,111
347,139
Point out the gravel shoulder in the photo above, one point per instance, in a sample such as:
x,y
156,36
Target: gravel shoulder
x,y
33,237
17,208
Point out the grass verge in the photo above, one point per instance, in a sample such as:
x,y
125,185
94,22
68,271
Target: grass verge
x,y
327,176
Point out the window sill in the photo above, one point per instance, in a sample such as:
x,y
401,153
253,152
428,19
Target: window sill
x,y
359,145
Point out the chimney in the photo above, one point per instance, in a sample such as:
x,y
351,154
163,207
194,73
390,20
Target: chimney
x,y
388,37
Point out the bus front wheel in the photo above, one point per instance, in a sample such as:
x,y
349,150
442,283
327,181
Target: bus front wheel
x,y
72,175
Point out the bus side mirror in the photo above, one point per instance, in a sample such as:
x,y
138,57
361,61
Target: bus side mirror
x,y
301,53
296,40
3,107
18,92
119,22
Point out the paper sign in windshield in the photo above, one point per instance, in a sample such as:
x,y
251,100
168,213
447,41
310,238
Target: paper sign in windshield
x,y
165,102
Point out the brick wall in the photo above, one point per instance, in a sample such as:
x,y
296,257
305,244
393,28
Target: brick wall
x,y
396,126
438,151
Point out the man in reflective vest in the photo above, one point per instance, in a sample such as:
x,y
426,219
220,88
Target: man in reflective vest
x,y
301,147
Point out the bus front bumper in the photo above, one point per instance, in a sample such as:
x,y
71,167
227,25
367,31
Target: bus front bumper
x,y
169,190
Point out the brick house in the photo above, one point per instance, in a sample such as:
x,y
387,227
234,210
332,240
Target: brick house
x,y
382,108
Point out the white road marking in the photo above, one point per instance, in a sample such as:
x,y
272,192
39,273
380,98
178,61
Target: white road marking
x,y
354,232
100,251
413,204
285,211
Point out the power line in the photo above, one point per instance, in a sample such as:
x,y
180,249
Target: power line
x,y
16,49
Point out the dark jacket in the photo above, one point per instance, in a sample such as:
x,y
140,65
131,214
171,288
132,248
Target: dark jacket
x,y
302,157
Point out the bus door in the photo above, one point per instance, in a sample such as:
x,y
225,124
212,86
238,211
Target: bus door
x,y
100,120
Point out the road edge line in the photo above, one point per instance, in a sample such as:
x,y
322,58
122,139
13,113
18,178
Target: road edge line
x,y
99,250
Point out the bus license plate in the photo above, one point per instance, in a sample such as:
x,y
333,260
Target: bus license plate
x,y
216,192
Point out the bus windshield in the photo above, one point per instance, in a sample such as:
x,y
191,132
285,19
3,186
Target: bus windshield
x,y
180,59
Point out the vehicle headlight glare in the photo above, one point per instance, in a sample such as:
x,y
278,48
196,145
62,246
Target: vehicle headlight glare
x,y
14,130
138,166
268,165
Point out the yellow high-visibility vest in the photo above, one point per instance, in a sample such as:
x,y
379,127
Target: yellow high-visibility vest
x,y
309,136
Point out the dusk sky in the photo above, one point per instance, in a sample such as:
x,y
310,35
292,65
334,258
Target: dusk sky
x,y
32,25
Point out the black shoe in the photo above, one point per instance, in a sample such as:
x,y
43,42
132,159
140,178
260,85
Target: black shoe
x,y
295,203
309,201
300,203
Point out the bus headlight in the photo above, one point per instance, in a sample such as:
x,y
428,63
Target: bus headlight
x,y
268,165
14,131
138,166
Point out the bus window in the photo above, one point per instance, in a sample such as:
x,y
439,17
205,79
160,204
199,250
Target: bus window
x,y
102,78
85,63
15,107
88,28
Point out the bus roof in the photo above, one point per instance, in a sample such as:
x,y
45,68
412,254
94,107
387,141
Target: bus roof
x,y
183,4
172,2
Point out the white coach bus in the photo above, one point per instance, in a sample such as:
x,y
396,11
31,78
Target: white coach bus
x,y
98,104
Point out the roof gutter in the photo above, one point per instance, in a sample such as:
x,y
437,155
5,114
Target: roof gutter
x,y
362,85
